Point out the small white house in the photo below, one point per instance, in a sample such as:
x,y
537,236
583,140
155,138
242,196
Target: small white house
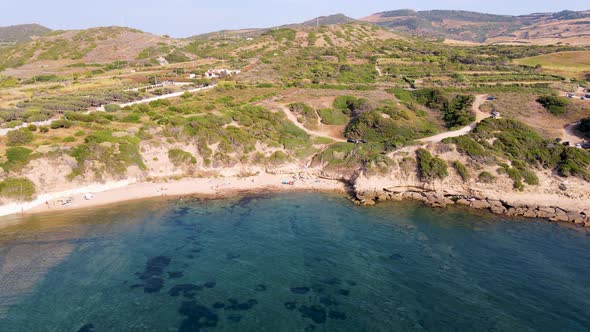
x,y
215,73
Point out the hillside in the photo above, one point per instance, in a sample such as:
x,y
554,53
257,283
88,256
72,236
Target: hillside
x,y
61,49
566,27
13,34
295,98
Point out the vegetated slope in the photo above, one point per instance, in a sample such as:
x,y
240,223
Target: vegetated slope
x,y
257,32
96,45
565,27
572,64
13,34
328,20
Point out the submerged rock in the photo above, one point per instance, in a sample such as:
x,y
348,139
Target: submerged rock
x,y
315,312
198,317
300,290
87,328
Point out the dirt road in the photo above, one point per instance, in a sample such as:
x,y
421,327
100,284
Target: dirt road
x,y
479,116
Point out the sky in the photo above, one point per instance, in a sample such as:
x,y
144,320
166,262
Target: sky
x,y
183,18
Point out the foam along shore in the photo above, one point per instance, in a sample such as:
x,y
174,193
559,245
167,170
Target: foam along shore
x,y
115,192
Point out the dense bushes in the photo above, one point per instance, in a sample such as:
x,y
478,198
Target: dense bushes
x,y
19,137
430,167
486,177
456,112
584,125
554,105
62,123
333,117
16,158
180,157
461,170
468,146
21,189
106,154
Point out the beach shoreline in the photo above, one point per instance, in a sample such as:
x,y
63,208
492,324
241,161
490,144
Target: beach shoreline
x,y
124,191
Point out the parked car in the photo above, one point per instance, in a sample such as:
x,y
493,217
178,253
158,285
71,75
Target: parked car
x,y
362,141
351,140
579,145
558,140
566,143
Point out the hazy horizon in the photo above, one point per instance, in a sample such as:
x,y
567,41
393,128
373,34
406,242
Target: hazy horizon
x,y
181,18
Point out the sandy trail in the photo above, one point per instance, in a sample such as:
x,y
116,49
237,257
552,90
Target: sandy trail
x,y
293,119
479,116
569,134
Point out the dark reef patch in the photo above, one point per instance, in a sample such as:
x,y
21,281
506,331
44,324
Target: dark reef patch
x,y
175,274
328,300
153,285
300,290
396,256
290,305
198,317
344,292
337,315
187,290
332,281
260,288
210,284
236,305
232,255
319,289
351,283
234,318
315,312
218,305
154,267
87,328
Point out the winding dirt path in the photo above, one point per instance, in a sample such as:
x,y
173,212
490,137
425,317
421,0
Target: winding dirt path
x,y
569,134
293,119
479,116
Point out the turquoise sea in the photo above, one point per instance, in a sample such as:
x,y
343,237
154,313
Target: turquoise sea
x,y
290,262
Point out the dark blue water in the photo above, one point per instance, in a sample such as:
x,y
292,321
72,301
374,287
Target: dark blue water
x,y
290,262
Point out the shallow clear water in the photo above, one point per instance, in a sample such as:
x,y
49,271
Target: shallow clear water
x,y
290,262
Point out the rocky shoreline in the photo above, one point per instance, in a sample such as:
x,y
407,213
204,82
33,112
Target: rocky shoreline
x,y
497,206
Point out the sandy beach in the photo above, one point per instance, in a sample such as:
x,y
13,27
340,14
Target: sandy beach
x,y
121,191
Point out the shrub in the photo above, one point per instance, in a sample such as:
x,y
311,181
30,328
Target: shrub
x,y
584,125
112,108
333,117
44,129
63,123
430,167
180,157
21,189
461,170
16,158
554,105
468,146
19,137
486,177
32,127
278,158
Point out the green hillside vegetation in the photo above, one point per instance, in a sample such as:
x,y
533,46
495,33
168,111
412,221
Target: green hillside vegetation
x,y
524,148
11,35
